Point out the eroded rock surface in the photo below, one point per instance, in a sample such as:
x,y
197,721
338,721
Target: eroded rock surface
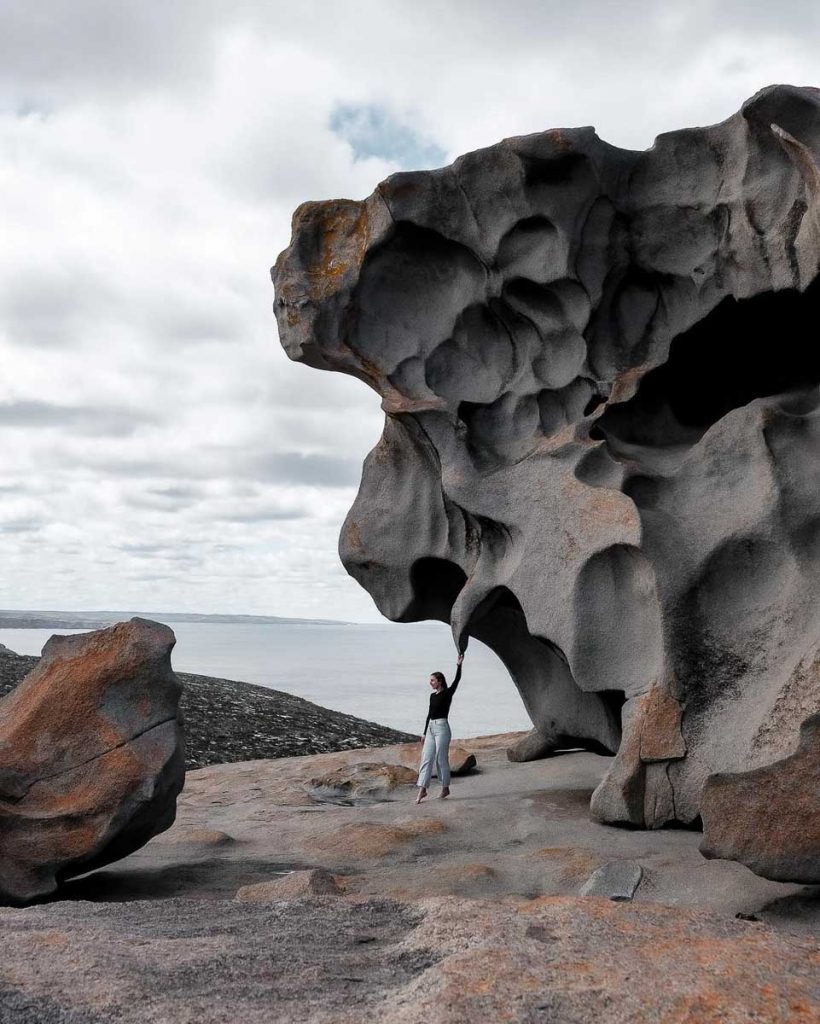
x,y
91,756
769,818
465,909
294,884
616,880
341,960
364,782
599,370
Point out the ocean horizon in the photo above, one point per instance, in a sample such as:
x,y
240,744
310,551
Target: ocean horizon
x,y
377,671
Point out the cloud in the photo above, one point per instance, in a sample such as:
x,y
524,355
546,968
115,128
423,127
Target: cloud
x,y
264,515
47,307
141,550
31,525
151,156
85,46
87,420
298,468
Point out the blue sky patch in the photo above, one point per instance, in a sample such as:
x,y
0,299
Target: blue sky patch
x,y
372,130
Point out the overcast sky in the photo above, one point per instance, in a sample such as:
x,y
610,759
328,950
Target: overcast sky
x,y
159,452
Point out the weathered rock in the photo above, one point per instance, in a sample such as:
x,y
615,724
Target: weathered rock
x,y
91,756
451,960
616,881
315,882
769,818
357,783
462,761
600,374
531,747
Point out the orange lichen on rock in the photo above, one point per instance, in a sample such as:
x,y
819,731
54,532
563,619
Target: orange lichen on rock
x,y
661,738
91,756
574,862
361,840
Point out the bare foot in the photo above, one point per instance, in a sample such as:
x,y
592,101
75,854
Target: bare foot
x,y
445,792
422,795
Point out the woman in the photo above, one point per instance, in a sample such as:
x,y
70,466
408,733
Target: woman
x,y
437,734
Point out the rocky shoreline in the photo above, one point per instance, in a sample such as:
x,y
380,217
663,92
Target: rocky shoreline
x,y
227,720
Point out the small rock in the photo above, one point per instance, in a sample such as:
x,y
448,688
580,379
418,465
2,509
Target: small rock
x,y
462,761
315,882
616,880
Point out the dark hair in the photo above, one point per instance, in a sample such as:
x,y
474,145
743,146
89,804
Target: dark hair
x,y
440,677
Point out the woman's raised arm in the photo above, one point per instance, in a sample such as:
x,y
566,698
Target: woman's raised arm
x,y
457,679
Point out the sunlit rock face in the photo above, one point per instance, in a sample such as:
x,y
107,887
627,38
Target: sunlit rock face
x,y
601,452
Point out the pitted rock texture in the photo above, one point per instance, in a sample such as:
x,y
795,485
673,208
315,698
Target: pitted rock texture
x,y
599,370
769,818
92,756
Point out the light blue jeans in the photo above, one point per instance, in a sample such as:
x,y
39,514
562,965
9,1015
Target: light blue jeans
x,y
436,749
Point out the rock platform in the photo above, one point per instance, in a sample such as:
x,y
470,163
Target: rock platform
x,y
461,909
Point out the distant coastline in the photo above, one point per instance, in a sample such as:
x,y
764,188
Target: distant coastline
x,y
24,619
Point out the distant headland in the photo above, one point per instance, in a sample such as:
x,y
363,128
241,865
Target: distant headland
x,y
25,619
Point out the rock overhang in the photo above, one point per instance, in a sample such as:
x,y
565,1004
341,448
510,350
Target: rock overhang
x,y
550,478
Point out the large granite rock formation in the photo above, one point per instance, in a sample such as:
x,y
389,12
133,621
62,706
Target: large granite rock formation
x,y
599,370
91,756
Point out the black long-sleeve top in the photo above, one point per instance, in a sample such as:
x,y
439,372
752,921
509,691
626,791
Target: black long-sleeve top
x,y
441,700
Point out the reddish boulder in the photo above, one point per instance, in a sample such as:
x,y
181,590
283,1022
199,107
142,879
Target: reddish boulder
x,y
769,818
91,756
462,761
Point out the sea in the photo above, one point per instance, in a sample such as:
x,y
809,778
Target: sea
x,y
379,672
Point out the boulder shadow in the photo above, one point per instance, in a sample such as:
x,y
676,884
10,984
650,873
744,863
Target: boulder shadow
x,y
211,878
